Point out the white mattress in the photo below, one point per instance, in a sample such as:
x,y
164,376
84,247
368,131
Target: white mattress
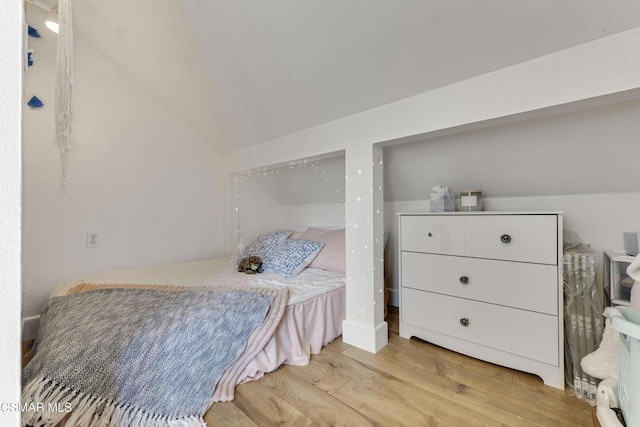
x,y
309,283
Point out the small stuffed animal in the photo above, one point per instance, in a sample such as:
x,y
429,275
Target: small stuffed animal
x,y
250,265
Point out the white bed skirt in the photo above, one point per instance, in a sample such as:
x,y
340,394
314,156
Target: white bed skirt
x,y
304,329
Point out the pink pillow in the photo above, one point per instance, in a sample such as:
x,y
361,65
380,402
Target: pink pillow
x,y
333,254
296,235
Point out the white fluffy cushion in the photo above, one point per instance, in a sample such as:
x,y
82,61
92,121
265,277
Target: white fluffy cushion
x,y
603,363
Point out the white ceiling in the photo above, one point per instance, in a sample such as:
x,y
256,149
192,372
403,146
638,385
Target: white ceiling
x,y
240,72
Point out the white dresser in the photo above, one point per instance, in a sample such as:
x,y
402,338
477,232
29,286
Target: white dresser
x,y
486,284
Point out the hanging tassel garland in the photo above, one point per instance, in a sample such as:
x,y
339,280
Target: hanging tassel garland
x,y
64,140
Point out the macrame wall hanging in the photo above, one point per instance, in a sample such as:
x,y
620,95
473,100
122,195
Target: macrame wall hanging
x,y
64,140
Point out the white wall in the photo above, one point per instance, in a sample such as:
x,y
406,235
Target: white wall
x,y
307,193
583,163
594,73
152,41
314,215
258,212
11,30
588,151
151,187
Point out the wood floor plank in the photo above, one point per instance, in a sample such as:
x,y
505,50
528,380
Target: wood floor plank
x,y
385,411
227,414
432,351
552,400
337,345
530,382
469,397
317,405
265,408
434,406
393,319
436,359
26,352
408,382
524,382
496,380
594,415
323,377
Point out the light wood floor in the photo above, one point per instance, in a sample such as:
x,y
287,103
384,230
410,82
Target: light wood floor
x,y
408,383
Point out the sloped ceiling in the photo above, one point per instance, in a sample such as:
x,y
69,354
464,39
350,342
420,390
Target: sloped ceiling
x,y
240,72
591,151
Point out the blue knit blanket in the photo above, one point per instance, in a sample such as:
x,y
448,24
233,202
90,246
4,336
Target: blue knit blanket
x,y
140,357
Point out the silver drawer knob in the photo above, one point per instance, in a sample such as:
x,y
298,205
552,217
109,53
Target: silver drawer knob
x,y
464,280
464,321
505,238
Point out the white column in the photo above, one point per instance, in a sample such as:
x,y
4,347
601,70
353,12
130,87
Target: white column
x,y
11,33
364,326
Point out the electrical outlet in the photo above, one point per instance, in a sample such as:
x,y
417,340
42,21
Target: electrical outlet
x,y
93,240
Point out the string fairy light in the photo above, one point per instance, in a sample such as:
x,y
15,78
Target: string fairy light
x,y
239,240
361,169
373,191
376,267
352,321
275,171
315,164
369,245
369,307
366,247
362,195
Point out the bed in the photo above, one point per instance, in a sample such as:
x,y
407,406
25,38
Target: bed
x,y
312,318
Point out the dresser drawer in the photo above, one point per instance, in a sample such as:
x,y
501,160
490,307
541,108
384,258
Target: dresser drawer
x,y
528,286
520,332
527,238
434,234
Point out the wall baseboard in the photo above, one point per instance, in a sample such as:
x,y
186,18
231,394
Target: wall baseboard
x,y
394,297
30,327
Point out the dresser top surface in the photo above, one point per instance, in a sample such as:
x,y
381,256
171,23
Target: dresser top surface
x,y
480,213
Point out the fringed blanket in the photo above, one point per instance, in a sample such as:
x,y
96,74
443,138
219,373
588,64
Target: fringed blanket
x,y
144,357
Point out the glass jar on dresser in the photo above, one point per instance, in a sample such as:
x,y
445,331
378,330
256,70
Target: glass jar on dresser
x,y
486,284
